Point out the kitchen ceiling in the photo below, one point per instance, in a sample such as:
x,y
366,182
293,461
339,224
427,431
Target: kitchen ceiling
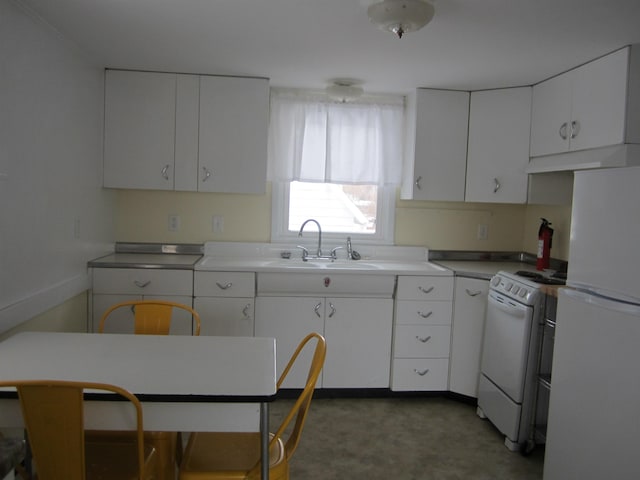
x,y
469,44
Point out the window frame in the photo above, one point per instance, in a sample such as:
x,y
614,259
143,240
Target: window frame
x,y
385,221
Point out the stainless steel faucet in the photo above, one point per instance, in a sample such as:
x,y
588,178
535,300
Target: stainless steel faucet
x,y
319,252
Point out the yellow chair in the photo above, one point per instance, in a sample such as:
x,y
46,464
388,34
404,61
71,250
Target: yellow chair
x,y
53,413
233,456
152,317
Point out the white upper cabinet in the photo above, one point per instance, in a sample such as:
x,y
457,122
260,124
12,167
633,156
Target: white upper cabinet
x,y
167,131
499,124
139,132
442,119
234,119
582,108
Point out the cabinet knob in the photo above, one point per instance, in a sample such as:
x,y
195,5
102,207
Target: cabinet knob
x,y
562,131
316,309
474,293
418,180
165,172
425,315
496,185
423,339
141,284
225,286
245,310
333,310
575,128
206,174
422,373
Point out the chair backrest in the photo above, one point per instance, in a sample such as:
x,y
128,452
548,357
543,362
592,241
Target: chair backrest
x,y
53,414
300,408
152,317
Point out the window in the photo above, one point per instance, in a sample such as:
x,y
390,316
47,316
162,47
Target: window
x,y
337,163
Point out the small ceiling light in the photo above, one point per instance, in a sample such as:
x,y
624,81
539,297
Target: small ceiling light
x,y
343,90
401,16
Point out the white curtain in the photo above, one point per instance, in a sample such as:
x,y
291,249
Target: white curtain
x,y
314,140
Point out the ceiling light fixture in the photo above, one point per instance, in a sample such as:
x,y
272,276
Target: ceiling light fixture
x,y
344,90
401,16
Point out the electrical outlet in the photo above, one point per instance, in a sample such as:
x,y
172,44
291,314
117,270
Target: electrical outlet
x,y
483,232
217,224
174,223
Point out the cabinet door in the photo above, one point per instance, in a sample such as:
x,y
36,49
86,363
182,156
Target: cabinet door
x,y
225,316
139,131
599,102
358,334
289,320
233,134
550,115
442,119
499,126
468,330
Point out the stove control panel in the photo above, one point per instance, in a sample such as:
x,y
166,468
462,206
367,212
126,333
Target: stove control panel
x,y
519,289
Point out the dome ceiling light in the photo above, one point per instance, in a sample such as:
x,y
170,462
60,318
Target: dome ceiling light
x,y
344,90
401,16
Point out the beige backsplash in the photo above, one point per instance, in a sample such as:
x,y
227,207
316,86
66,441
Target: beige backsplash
x,y
142,216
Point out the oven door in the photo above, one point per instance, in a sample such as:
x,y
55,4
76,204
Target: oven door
x,y
506,344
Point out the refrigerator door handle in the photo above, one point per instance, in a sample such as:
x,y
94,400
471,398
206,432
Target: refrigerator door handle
x,y
599,300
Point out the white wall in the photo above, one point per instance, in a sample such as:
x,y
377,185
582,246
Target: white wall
x,y
54,215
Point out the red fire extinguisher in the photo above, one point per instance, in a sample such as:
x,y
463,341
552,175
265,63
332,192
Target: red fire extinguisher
x,y
545,234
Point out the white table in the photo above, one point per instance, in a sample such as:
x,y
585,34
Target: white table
x,y
185,383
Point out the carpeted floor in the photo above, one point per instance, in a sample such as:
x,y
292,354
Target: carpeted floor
x,y
403,438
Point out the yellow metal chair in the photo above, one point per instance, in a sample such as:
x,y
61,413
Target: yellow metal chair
x,y
153,317
53,413
234,456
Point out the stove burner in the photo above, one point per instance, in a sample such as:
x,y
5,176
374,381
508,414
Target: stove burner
x,y
539,278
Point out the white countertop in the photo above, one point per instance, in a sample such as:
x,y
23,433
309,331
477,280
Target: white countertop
x,y
259,258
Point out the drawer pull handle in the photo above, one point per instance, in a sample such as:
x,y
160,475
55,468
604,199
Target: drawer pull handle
x,y
141,284
422,373
426,290
473,293
423,339
418,184
426,315
317,309
245,310
333,310
225,286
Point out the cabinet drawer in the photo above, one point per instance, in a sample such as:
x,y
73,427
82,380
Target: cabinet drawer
x,y
418,341
420,374
423,313
425,288
224,284
141,281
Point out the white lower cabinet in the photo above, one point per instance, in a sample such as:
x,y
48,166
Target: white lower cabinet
x,y
114,285
470,303
422,333
225,302
357,331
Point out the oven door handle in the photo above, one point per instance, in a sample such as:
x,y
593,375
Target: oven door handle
x,y
507,305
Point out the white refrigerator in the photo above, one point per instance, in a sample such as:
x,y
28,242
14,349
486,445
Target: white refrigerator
x,y
594,409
